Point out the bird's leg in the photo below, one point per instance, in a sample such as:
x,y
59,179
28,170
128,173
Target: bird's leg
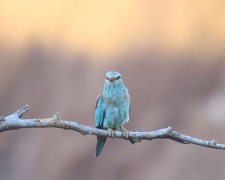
x,y
124,131
111,132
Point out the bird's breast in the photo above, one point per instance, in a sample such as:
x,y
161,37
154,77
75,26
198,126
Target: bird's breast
x,y
116,98
116,102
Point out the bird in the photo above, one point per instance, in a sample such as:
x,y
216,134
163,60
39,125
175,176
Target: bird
x,y
112,108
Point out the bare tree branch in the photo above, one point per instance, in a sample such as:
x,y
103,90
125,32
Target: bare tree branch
x,y
14,121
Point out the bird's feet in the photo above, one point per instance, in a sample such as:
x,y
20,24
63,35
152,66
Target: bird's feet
x,y
124,131
111,132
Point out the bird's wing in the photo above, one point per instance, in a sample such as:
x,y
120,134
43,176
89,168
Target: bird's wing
x,y
99,112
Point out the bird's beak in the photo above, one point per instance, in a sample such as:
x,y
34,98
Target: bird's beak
x,y
112,79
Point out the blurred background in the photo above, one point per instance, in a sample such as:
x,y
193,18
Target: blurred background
x,y
54,55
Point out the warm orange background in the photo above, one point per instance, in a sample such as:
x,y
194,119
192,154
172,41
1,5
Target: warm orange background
x,y
54,56
102,27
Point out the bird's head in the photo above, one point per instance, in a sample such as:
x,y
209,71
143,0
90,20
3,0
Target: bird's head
x,y
113,78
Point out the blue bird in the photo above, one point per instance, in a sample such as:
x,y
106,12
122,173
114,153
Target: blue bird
x,y
112,108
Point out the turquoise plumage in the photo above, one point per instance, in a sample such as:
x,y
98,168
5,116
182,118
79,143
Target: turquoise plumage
x,y
112,108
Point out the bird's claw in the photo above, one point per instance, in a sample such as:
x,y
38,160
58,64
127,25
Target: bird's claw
x,y
111,132
124,131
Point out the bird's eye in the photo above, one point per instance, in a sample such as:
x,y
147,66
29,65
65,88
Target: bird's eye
x,y
118,77
106,78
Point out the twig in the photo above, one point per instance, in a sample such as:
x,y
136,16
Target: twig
x,y
22,111
2,118
13,122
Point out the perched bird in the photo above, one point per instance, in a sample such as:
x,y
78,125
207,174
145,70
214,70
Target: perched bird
x,y
112,108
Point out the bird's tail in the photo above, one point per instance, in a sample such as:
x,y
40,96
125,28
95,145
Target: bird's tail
x,y
100,144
